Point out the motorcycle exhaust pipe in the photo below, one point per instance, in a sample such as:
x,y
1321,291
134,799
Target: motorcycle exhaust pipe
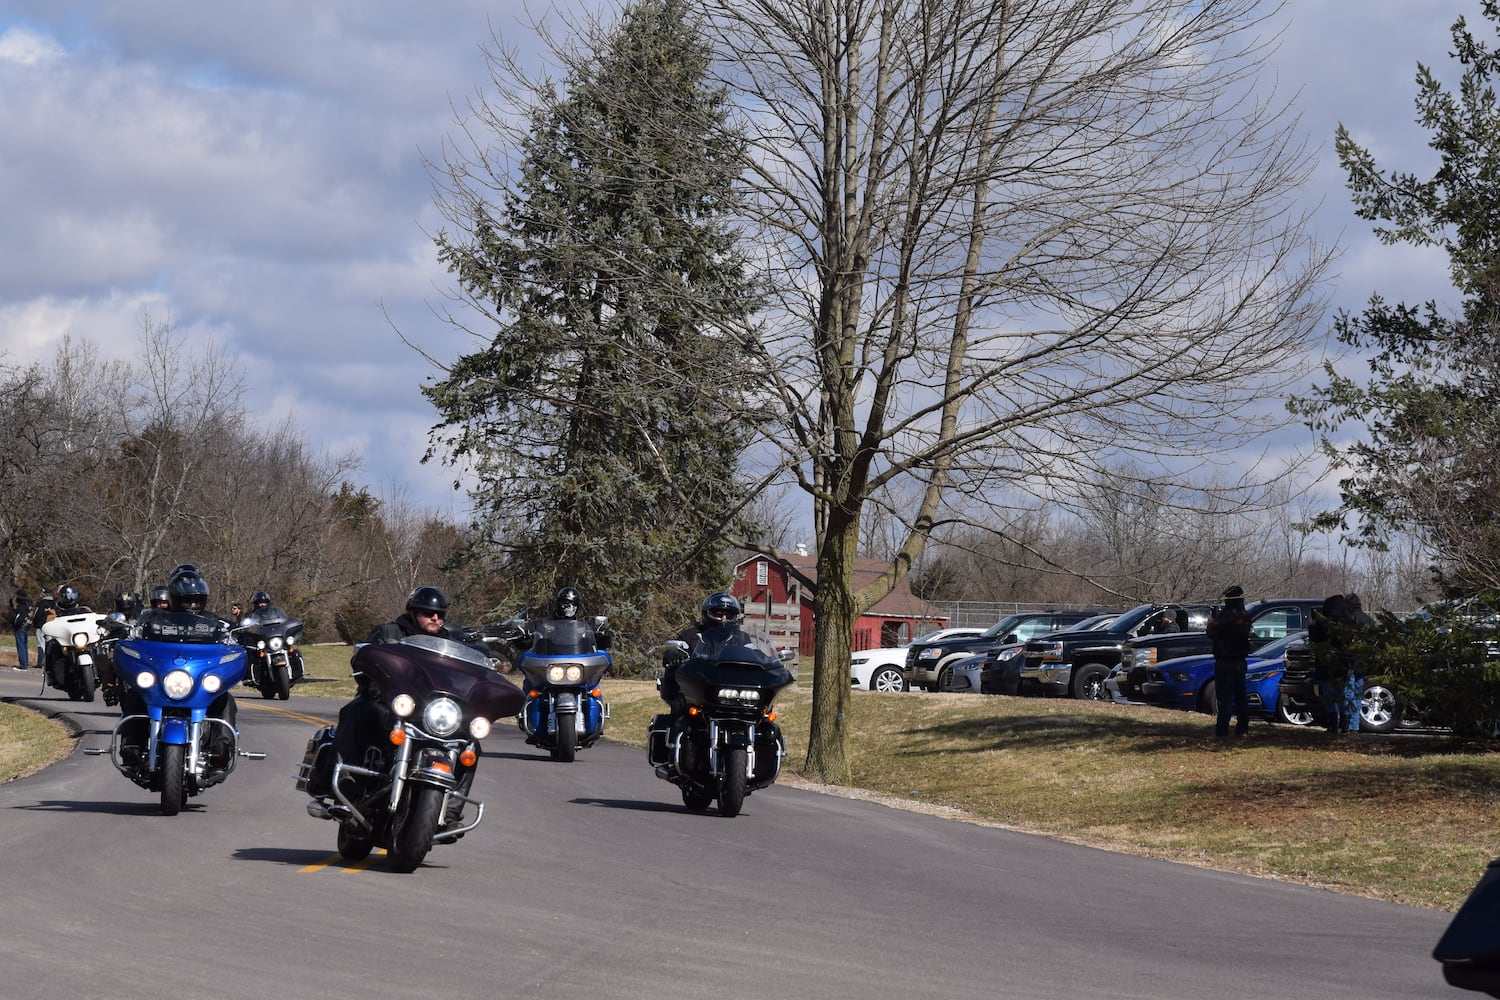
x,y
326,810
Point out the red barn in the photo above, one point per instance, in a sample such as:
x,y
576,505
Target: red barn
x,y
778,603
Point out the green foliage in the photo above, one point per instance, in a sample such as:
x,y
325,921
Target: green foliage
x,y
1445,665
606,416
1431,405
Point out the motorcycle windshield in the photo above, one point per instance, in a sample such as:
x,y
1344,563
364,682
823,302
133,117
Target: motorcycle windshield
x,y
425,666
737,656
561,638
183,626
265,628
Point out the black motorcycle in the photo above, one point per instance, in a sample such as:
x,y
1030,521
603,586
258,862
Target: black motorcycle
x,y
270,639
441,698
727,744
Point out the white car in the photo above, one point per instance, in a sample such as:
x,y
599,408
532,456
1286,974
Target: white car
x,y
884,669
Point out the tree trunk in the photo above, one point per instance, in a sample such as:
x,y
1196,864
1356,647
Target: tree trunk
x,y
828,735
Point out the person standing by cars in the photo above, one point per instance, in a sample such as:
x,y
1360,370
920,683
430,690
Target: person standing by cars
x,y
1229,628
1327,633
20,623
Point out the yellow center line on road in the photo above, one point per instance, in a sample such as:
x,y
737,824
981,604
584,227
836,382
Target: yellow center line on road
x,y
316,720
345,866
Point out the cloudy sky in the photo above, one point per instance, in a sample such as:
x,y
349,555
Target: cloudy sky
x,y
254,171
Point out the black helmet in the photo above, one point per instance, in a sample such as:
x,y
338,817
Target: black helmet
x,y
427,599
160,598
187,591
260,600
721,608
183,568
67,597
127,602
567,603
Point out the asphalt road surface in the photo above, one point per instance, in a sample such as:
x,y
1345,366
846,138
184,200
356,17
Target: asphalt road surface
x,y
589,879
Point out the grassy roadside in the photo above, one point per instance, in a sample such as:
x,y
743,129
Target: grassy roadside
x,y
1407,818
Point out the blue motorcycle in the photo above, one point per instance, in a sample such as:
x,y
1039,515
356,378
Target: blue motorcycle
x,y
563,665
176,735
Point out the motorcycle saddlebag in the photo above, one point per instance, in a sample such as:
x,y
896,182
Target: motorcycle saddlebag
x,y
315,773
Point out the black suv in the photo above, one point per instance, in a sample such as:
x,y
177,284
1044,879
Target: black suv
x,y
1076,663
928,662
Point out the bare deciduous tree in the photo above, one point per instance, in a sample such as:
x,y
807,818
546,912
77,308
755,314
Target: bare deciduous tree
x,y
1018,242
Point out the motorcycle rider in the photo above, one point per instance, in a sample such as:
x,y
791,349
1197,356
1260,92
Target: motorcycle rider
x,y
160,599
259,601
44,612
567,605
720,615
364,721
68,603
128,603
186,615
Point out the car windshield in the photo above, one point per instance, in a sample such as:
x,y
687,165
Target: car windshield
x,y
1003,627
1098,621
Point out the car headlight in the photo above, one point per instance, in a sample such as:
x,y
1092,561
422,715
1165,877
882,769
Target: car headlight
x,y
442,717
276,643
178,684
1181,676
929,654
1052,651
403,705
479,728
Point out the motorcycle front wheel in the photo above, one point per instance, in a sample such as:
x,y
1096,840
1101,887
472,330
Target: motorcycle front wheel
x,y
732,786
697,801
87,681
414,837
566,747
282,675
173,794
355,844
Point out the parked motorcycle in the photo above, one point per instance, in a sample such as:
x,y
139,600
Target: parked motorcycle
x,y
564,710
270,636
72,651
442,697
176,735
728,743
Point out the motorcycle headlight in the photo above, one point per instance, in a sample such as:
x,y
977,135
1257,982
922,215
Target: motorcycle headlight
x,y
212,683
479,728
574,673
145,679
276,643
80,640
178,684
260,644
555,673
442,717
403,705
739,694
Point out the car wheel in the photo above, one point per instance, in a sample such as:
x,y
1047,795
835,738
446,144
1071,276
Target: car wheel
x,y
1208,699
1088,682
944,678
1293,713
887,679
1378,709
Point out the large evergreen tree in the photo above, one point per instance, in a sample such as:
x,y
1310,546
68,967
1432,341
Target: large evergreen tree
x,y
1431,406
606,415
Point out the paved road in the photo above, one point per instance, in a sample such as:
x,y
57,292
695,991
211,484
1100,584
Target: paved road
x,y
590,880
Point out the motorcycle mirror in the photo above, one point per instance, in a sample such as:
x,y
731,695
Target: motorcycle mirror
x,y
677,644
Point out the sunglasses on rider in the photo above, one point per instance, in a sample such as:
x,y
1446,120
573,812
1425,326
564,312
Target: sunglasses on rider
x,y
439,615
720,615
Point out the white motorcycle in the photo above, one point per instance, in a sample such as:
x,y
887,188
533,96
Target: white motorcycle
x,y
71,662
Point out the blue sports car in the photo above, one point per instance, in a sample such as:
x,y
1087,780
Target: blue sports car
x,y
1188,683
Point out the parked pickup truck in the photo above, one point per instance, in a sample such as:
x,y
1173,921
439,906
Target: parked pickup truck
x,y
928,664
1077,663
